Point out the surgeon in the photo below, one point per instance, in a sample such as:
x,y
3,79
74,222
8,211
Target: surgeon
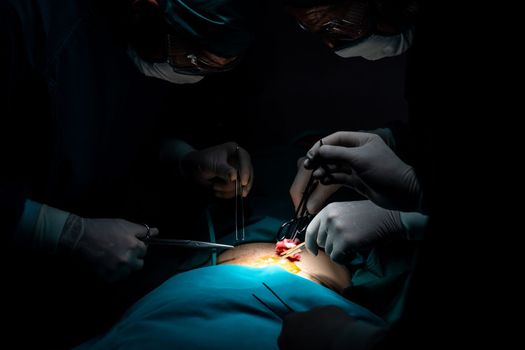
x,y
78,100
375,164
372,30
392,209
85,86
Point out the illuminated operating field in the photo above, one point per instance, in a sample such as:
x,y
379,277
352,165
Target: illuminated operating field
x,y
319,269
275,260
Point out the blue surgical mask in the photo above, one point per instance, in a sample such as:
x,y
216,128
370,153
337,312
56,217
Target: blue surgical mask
x,y
376,47
162,70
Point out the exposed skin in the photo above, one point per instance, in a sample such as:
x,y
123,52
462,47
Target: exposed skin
x,y
316,268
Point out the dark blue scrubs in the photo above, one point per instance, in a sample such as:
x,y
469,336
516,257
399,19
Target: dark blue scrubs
x,y
80,131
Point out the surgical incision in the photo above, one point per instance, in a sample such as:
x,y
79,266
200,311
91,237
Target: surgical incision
x,y
317,268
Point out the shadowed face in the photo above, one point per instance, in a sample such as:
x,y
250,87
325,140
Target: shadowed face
x,y
343,23
155,43
335,23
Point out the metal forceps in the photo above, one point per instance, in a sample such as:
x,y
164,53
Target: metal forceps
x,y
298,224
281,315
239,202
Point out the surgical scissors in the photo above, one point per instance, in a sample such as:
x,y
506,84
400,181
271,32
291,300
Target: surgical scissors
x,y
188,243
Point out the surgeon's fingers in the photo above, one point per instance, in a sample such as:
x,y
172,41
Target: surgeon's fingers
x,y
340,179
329,243
340,256
322,232
320,173
346,138
338,154
311,235
245,166
246,189
325,169
310,161
334,146
227,190
140,249
225,172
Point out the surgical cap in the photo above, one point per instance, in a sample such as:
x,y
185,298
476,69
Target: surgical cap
x,y
220,26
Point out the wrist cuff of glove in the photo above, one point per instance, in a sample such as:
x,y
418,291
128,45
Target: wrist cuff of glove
x,y
40,227
415,225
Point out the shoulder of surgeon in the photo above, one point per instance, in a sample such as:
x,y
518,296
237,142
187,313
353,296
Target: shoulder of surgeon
x,y
44,27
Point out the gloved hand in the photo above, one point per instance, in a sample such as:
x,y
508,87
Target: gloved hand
x,y
364,162
344,228
217,166
112,247
327,327
318,197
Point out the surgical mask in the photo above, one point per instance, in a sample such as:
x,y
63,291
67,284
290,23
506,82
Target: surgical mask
x,y
162,70
376,47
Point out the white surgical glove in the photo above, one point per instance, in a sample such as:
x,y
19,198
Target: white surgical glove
x,y
113,248
217,166
364,162
346,228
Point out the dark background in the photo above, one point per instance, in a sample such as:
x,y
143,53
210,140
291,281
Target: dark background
x,y
288,91
290,83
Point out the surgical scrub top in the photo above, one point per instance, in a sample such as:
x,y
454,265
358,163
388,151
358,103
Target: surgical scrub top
x,y
213,308
78,118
